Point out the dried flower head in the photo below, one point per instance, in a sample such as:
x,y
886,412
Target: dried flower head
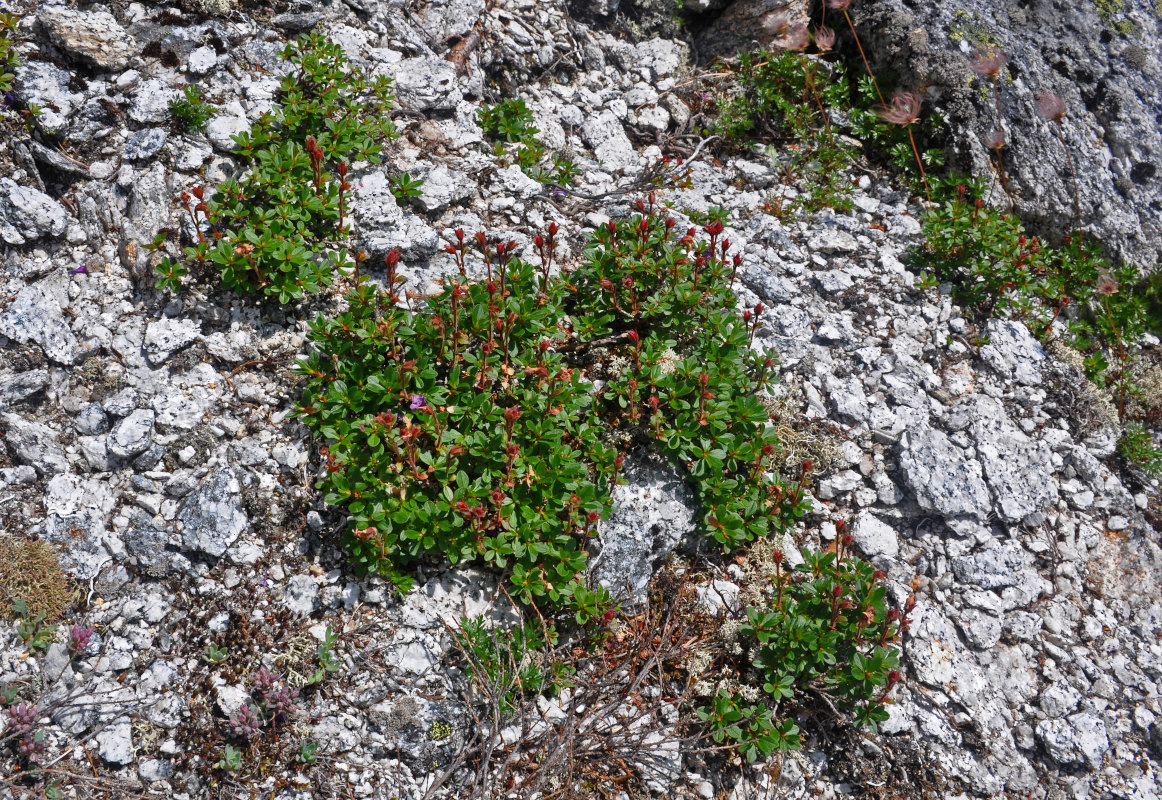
x,y
838,5
776,22
1049,106
824,38
1106,285
904,110
995,139
795,39
988,62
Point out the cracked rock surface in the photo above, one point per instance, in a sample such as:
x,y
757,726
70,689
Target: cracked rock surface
x,y
150,438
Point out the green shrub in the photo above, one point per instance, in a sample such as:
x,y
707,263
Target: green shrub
x,y
463,431
827,634
507,121
9,58
272,230
511,122
190,112
511,663
996,268
1137,446
691,380
782,97
460,431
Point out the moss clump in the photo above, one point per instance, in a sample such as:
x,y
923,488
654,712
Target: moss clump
x,y
30,571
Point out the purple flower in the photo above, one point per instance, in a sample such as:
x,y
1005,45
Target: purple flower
x,y
418,402
245,723
280,701
81,270
79,637
9,99
263,679
21,717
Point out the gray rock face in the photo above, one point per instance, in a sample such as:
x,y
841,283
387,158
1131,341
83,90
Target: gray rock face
x,y
302,594
115,742
46,85
222,129
653,513
443,187
1019,471
875,537
150,205
27,215
1109,83
1079,740
144,144
35,316
165,337
91,421
382,225
427,83
132,435
151,101
35,444
743,26
1013,352
606,135
212,518
22,386
78,509
941,477
94,37
1007,564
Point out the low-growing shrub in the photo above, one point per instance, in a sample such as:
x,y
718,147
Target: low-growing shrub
x,y
1137,446
275,229
825,637
511,122
9,58
470,430
513,664
190,112
996,268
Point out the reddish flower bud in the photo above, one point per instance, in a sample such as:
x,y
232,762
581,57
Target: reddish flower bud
x,y
512,414
553,229
392,257
592,517
539,241
633,336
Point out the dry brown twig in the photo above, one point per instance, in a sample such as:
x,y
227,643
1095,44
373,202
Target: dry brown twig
x,y
618,725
